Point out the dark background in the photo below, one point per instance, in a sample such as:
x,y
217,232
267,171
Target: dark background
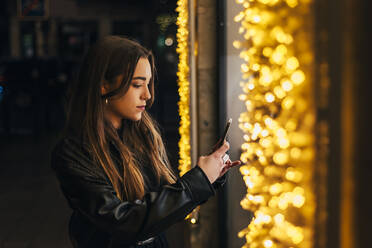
x,y
364,126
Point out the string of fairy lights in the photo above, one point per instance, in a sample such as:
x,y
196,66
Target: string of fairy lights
x,y
184,93
278,148
183,86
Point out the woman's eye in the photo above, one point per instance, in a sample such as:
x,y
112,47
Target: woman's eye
x,y
136,85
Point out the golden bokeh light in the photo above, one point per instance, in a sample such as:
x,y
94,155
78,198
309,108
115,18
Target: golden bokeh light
x,y
183,86
278,148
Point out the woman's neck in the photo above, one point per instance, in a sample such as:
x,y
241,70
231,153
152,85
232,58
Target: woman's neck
x,y
114,120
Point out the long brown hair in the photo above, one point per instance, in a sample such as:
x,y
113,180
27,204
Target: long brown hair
x,y
104,62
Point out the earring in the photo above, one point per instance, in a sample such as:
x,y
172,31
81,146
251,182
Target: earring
x,y
106,101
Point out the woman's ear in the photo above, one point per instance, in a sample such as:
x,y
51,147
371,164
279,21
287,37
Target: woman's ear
x,y
103,90
104,87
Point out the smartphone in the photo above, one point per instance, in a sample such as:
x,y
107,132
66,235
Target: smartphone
x,y
223,137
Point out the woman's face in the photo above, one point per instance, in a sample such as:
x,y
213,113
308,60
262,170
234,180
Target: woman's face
x,y
132,103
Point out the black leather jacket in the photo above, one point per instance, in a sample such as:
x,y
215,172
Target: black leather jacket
x,y
101,219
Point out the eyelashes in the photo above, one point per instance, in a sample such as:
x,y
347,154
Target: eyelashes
x,y
136,85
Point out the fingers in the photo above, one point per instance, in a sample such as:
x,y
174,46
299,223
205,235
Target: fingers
x,y
237,162
224,170
229,165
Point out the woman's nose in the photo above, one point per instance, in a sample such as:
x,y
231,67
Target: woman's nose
x,y
146,95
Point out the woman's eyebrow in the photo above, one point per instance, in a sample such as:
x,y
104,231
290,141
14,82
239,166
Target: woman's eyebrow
x,y
140,78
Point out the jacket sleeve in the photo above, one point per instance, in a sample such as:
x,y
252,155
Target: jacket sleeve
x,y
94,197
220,182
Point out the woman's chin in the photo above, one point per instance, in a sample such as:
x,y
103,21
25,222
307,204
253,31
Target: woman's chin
x,y
133,117
136,118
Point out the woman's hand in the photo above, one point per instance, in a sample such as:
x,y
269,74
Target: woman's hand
x,y
213,165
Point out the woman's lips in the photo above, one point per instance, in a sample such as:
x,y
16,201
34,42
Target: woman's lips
x,y
141,107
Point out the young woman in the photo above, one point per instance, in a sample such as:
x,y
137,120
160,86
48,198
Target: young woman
x,y
111,163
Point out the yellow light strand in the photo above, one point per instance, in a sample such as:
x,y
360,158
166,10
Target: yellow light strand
x,y
278,148
184,92
184,86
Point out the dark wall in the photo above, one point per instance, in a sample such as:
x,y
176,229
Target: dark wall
x,y
364,126
349,49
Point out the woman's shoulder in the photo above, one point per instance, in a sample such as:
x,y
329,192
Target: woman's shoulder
x,y
71,153
69,145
